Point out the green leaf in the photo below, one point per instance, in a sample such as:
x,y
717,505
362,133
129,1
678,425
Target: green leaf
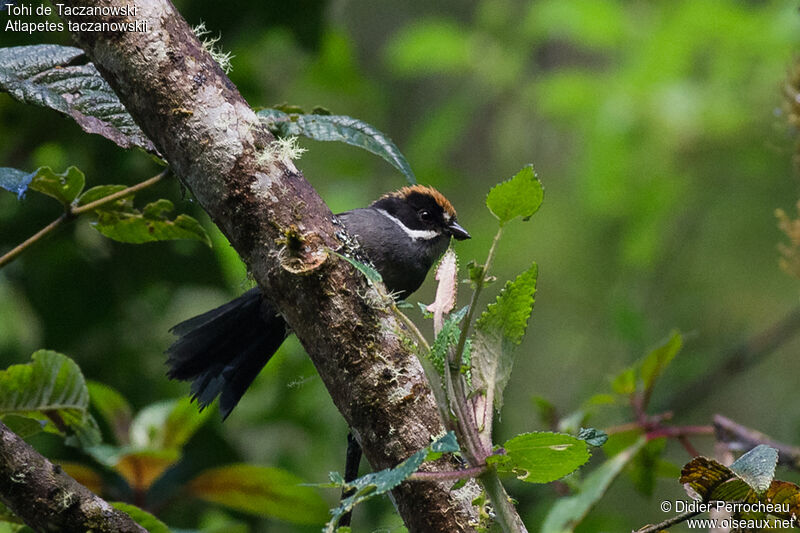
x,y
52,386
338,128
22,425
757,467
261,491
447,337
593,437
658,360
430,46
643,468
141,517
369,272
541,457
101,191
64,187
568,512
14,180
166,425
113,408
520,196
149,225
377,483
625,382
499,329
41,75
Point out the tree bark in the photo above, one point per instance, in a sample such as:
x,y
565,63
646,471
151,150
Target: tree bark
x,y
285,233
47,499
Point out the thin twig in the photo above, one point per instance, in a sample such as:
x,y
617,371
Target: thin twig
x,y
668,522
741,438
73,212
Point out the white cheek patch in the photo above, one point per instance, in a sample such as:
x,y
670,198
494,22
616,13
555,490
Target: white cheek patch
x,y
414,234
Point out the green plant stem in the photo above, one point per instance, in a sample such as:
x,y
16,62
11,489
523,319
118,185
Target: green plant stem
x,y
469,431
73,212
439,392
505,513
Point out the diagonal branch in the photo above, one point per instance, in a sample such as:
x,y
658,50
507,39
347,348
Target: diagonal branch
x,y
216,145
47,499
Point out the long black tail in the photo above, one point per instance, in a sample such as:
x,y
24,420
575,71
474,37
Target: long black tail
x,y
222,351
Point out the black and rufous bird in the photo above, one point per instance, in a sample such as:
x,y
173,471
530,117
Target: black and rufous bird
x,y
221,351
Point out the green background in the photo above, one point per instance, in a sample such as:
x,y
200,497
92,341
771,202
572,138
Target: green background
x,y
659,132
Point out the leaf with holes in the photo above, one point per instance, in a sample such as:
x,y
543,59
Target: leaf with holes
x,y
541,457
148,225
64,187
520,196
261,491
45,75
338,128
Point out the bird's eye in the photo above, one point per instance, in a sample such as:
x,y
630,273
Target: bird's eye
x,y
425,216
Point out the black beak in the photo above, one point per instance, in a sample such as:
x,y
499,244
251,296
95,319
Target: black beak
x,y
457,231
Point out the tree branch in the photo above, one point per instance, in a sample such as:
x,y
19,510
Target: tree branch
x,y
217,146
47,499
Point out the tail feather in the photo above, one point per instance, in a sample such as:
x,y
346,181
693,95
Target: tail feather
x,y
223,350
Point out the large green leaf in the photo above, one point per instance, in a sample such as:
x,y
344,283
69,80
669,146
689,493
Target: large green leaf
x,y
541,457
45,75
377,483
338,128
261,491
568,512
520,196
499,329
52,386
130,225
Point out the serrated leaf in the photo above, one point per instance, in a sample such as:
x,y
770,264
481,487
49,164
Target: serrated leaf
x,y
369,272
149,522
141,468
113,408
446,290
52,386
261,491
377,483
14,180
541,457
64,187
520,196
497,331
757,467
658,360
568,512
338,128
42,75
447,337
149,225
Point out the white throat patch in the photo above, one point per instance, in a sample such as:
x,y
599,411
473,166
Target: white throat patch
x,y
414,234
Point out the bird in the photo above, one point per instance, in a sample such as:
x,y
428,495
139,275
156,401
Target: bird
x,y
403,233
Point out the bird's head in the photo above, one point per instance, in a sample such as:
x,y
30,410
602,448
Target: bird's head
x,y
423,212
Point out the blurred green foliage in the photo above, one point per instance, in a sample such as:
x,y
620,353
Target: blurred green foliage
x,y
656,127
